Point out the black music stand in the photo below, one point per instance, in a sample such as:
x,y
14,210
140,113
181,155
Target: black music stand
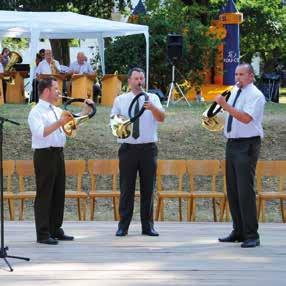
x,y
3,250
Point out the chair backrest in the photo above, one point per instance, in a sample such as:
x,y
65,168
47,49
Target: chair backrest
x,y
204,168
76,168
8,171
270,169
24,168
107,167
171,168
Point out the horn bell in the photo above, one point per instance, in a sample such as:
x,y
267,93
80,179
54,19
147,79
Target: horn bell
x,y
71,127
120,126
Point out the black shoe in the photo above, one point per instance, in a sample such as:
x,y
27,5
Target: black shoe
x,y
49,240
150,232
64,237
121,232
60,235
232,237
250,243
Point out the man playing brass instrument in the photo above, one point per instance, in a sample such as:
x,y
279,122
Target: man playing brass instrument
x,y
48,139
243,130
138,153
48,65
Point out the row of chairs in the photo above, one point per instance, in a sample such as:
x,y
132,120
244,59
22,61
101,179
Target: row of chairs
x,y
175,170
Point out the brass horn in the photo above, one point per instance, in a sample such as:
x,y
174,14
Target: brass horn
x,y
212,118
120,125
15,58
71,127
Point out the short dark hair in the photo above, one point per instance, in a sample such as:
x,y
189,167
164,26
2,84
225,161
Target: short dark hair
x,y
41,51
45,83
136,69
248,66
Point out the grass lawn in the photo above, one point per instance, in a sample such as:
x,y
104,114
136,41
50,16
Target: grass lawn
x,y
181,137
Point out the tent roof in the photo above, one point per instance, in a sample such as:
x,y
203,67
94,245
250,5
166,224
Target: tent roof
x,y
63,25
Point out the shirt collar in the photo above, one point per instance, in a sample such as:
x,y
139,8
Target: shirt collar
x,y
44,104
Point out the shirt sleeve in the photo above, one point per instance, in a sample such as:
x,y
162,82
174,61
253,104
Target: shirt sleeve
x,y
36,124
89,68
255,107
156,101
116,107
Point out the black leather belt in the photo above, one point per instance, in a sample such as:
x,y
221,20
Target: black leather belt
x,y
142,145
54,149
243,139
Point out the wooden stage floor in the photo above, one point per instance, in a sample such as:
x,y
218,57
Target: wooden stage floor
x,y
183,254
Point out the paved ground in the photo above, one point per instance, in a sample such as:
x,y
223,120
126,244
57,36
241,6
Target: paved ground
x,y
183,254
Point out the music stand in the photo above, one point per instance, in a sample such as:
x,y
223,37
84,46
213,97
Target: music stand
x,y
3,250
174,85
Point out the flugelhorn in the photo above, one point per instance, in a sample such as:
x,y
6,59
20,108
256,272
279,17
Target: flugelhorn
x,y
212,118
121,125
71,127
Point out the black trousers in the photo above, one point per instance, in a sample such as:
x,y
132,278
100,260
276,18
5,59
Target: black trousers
x,y
50,197
140,158
241,158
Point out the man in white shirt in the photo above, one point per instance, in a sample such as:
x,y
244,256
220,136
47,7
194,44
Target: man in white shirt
x,y
1,65
48,65
138,153
81,66
48,139
243,130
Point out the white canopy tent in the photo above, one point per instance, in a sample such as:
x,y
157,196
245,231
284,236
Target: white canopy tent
x,y
66,25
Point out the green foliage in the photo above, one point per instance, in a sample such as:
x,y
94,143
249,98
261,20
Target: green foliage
x,y
171,17
263,31
15,44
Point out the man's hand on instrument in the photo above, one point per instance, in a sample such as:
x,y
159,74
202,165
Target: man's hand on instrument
x,y
221,101
149,105
66,116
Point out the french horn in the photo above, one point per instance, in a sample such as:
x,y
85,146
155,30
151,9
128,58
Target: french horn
x,y
14,58
71,127
213,118
121,125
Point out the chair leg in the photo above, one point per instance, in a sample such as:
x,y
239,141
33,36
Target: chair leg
x,y
158,209
227,212
259,209
21,214
282,210
117,208
11,208
263,210
162,210
189,211
214,209
78,209
222,209
114,209
193,212
92,206
180,209
83,213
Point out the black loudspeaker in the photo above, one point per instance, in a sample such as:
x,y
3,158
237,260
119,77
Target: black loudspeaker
x,y
175,46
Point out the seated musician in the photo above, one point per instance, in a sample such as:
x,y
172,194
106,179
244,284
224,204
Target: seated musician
x,y
81,66
1,65
49,65
5,56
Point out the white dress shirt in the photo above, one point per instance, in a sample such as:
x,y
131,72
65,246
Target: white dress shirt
x,y
147,125
1,68
43,115
75,67
44,67
251,101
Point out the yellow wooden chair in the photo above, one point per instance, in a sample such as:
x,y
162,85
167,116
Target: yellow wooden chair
x,y
97,168
171,168
274,169
24,169
8,171
76,168
204,168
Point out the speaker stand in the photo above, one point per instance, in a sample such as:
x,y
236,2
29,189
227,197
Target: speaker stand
x,y
173,86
